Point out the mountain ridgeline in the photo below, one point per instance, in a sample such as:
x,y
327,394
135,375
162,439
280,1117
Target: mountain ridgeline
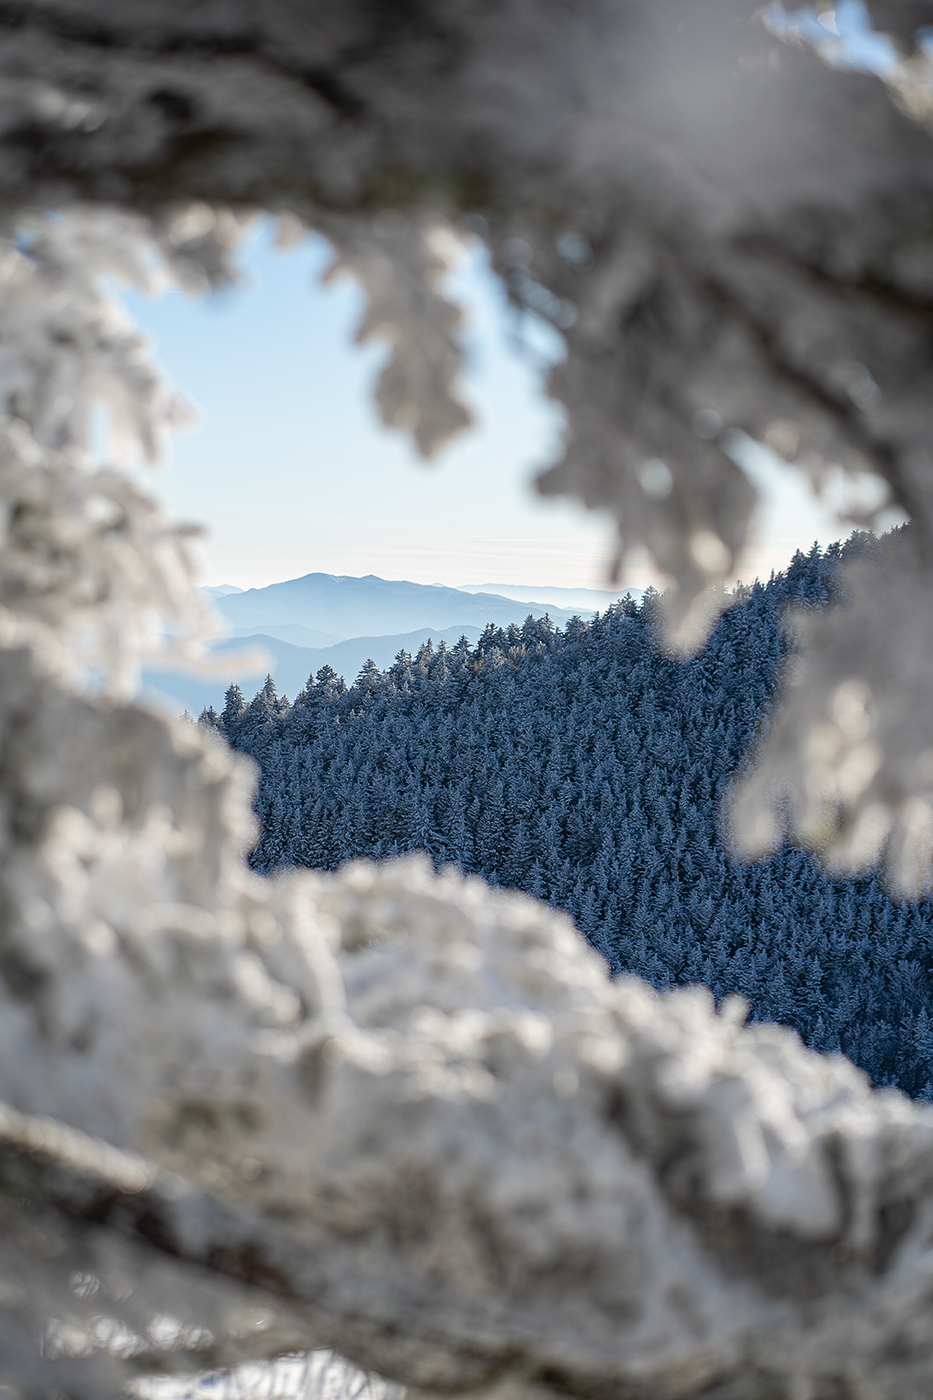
x,y
296,627
587,768
319,609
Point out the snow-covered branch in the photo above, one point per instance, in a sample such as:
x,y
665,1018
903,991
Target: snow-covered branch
x,y
496,1168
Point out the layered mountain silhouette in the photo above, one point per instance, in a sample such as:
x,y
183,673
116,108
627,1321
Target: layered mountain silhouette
x,y
335,620
339,607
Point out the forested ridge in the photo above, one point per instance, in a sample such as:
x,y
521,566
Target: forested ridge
x,y
587,768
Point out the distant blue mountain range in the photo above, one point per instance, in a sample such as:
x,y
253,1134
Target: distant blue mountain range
x,y
339,621
339,607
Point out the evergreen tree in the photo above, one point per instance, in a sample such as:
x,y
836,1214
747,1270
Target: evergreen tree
x,y
234,706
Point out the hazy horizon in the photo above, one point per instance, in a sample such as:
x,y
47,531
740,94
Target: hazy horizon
x,y
291,472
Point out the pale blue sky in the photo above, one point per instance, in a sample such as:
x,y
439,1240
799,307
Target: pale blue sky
x,y
292,473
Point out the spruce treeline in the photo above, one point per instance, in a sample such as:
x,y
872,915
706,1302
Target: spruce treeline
x,y
587,768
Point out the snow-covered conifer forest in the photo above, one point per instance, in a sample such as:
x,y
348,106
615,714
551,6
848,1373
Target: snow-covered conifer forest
x,y
589,769
392,1111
